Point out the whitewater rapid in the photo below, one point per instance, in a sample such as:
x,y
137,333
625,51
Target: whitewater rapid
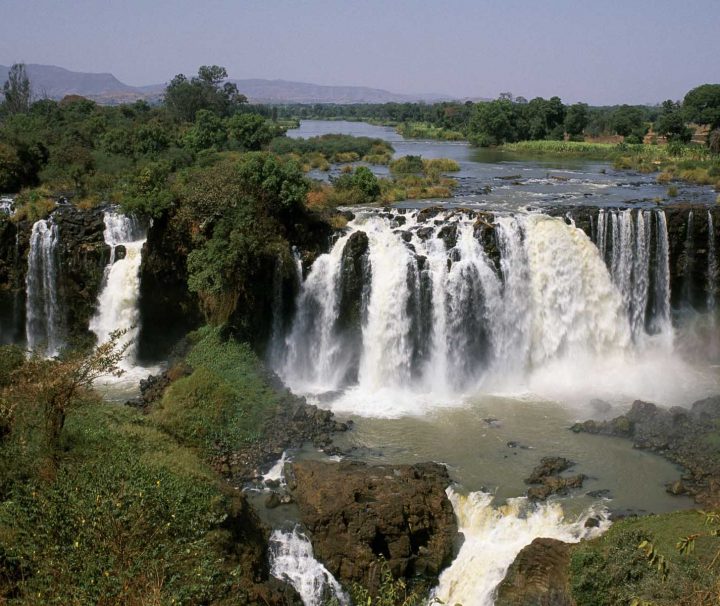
x,y
493,537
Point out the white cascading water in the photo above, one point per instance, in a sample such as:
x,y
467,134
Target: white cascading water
x,y
117,307
443,316
493,536
314,356
712,270
292,560
44,323
386,334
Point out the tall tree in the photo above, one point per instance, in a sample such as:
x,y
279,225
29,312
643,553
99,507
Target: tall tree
x,y
185,98
702,105
671,123
16,90
576,118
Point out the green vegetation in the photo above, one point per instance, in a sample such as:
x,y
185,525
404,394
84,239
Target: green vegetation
x,y
319,152
116,507
390,591
425,130
613,569
224,403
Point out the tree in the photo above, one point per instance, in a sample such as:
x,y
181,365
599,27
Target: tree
x,y
671,123
52,387
702,105
184,98
627,120
576,118
10,169
16,91
493,123
207,132
249,131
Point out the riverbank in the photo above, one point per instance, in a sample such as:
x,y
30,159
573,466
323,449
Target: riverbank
x,y
689,163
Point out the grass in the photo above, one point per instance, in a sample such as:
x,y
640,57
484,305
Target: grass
x,y
125,509
690,163
425,130
128,516
612,569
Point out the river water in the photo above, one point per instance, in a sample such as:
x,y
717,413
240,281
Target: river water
x,y
508,357
540,181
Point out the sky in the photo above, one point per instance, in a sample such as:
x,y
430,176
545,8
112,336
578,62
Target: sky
x,y
600,51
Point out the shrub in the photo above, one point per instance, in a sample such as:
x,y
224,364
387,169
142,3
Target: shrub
x,y
407,165
224,403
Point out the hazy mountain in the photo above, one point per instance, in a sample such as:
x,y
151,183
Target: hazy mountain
x,y
56,82
258,90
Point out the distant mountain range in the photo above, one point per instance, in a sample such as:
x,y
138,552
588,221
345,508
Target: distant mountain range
x,y
56,82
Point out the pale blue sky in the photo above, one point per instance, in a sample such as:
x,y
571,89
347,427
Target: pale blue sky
x,y
608,51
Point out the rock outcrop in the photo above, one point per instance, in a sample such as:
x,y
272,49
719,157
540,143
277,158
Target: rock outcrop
x,y
83,256
689,437
358,513
539,576
547,480
294,423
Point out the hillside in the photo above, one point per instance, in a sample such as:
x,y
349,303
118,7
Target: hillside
x,y
56,82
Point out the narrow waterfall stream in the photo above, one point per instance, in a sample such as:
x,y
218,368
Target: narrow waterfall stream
x,y
292,560
44,323
117,307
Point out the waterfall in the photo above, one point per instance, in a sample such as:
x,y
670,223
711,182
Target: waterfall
x,y
454,302
292,560
712,269
494,536
628,246
688,261
660,322
44,322
117,306
543,293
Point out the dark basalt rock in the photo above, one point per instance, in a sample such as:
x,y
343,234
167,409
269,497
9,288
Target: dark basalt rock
x,y
429,213
168,310
120,252
539,576
293,424
547,475
425,232
358,513
448,234
82,258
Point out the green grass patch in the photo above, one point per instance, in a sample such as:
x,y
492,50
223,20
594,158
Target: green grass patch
x,y
127,516
612,569
425,130
224,403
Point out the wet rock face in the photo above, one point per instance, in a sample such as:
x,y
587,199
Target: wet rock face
x,y
685,436
539,576
354,279
13,251
293,424
83,256
167,309
358,513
